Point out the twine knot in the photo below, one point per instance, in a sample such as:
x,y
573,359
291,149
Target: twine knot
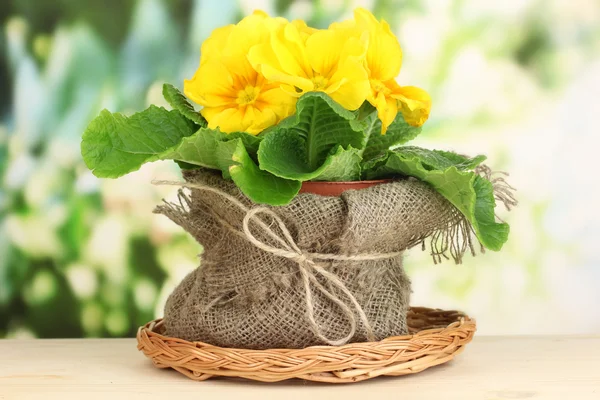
x,y
309,269
300,258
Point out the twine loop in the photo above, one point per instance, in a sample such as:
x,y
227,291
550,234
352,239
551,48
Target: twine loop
x,y
309,269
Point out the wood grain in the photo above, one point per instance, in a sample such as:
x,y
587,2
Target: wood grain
x,y
491,368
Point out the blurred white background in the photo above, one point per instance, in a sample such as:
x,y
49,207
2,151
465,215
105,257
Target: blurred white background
x,y
517,80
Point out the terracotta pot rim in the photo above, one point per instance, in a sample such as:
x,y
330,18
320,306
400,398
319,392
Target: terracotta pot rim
x,y
325,188
368,181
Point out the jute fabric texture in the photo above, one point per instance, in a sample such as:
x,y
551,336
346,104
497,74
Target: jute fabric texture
x,y
320,270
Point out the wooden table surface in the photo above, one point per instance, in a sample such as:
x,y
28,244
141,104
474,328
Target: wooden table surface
x,y
491,368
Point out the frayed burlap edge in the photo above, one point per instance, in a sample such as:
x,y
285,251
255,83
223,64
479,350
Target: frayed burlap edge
x,y
451,242
460,237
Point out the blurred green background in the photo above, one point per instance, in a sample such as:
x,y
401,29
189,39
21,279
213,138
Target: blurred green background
x,y
518,80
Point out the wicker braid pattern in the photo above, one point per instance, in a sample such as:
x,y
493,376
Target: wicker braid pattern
x,y
437,336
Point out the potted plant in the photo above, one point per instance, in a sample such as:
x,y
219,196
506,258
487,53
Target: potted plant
x,y
302,191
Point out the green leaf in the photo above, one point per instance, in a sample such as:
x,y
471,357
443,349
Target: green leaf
x,y
178,101
452,176
494,234
230,153
439,160
341,165
201,148
318,142
370,167
251,142
399,132
184,165
225,154
461,162
260,186
114,145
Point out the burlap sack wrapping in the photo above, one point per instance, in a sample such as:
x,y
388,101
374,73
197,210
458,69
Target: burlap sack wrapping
x,y
245,297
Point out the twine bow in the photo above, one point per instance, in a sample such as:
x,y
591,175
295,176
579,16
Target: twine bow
x,y
308,264
308,269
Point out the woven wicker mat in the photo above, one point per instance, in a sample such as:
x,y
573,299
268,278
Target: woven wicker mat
x,y
436,337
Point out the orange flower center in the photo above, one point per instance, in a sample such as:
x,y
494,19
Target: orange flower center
x,y
248,95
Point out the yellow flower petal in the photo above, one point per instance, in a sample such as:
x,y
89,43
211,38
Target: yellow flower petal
x,y
263,58
252,30
414,103
354,87
263,54
212,48
305,30
255,120
293,91
326,49
210,112
246,119
232,40
277,100
387,109
289,46
302,59
241,71
384,56
260,13
305,85
227,119
283,58
323,50
212,85
348,26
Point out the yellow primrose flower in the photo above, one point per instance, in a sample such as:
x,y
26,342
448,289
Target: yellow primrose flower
x,y
303,59
212,48
305,30
234,96
383,63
